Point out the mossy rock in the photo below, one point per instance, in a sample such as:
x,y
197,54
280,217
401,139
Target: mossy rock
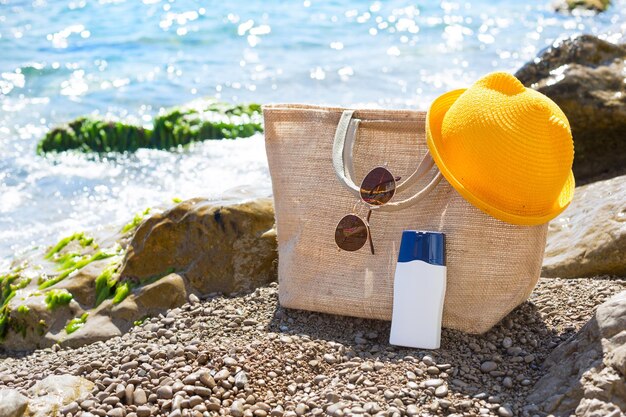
x,y
89,134
198,121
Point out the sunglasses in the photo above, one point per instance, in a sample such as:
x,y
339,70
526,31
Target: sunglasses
x,y
377,188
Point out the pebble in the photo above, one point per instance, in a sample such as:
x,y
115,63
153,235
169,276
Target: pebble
x,y
505,412
507,342
166,365
241,379
412,410
488,366
116,412
70,408
165,392
441,391
433,383
143,411
236,409
223,374
139,397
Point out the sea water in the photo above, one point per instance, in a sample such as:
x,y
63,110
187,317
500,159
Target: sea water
x,y
129,59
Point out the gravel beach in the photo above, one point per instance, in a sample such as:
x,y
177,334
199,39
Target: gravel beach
x,y
245,356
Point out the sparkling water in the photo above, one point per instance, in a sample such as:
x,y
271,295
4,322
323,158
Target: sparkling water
x,y
128,59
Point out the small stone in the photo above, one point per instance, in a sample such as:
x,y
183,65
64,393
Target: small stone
x,y
241,379
202,391
139,397
488,366
129,365
70,408
433,370
507,342
236,409
328,358
529,358
175,413
333,409
206,379
505,412
412,410
228,361
165,392
507,382
441,391
143,411
434,383
366,367
193,299
300,409
116,412
223,374
428,361
195,400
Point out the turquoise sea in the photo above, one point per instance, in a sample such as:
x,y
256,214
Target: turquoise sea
x,y
130,58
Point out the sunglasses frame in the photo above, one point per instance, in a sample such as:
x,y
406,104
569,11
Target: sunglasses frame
x,y
371,207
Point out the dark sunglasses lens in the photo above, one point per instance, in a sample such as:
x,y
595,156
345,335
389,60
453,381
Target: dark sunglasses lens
x,y
351,233
378,187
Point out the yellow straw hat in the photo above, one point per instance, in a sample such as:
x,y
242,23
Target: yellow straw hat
x,y
505,148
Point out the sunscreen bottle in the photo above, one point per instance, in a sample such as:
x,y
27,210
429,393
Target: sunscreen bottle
x,y
418,290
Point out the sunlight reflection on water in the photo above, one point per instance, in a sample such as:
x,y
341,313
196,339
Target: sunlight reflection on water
x,y
129,59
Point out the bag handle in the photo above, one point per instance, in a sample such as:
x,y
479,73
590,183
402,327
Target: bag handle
x,y
342,159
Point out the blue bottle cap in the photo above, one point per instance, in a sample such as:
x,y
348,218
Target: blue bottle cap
x,y
422,246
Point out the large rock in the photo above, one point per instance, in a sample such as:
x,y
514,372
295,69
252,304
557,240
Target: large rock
x,y
12,403
216,248
49,395
589,238
585,76
586,374
196,247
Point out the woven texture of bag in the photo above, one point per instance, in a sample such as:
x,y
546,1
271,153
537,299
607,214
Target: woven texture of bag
x,y
492,266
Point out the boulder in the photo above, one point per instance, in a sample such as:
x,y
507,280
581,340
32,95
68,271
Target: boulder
x,y
216,248
586,374
50,394
589,238
168,292
12,403
198,247
585,76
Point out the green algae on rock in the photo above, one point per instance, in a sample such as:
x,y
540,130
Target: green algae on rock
x,y
83,240
91,134
197,121
136,221
73,263
76,323
56,298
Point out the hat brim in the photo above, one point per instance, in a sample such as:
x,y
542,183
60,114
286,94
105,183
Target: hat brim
x,y
434,121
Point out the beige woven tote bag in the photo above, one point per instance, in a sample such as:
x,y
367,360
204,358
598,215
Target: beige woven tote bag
x,y
317,154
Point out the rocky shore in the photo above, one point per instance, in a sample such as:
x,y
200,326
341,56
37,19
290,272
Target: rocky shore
x,y
246,356
176,313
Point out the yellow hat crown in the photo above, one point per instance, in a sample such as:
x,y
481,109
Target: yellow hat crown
x,y
507,149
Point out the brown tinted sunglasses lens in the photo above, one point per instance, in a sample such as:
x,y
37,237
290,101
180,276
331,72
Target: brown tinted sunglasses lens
x,y
378,187
351,233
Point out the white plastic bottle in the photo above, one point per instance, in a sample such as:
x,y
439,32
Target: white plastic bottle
x,y
419,289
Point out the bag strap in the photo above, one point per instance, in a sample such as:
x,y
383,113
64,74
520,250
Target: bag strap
x,y
343,165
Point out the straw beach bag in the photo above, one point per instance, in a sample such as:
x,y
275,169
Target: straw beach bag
x,y
317,154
